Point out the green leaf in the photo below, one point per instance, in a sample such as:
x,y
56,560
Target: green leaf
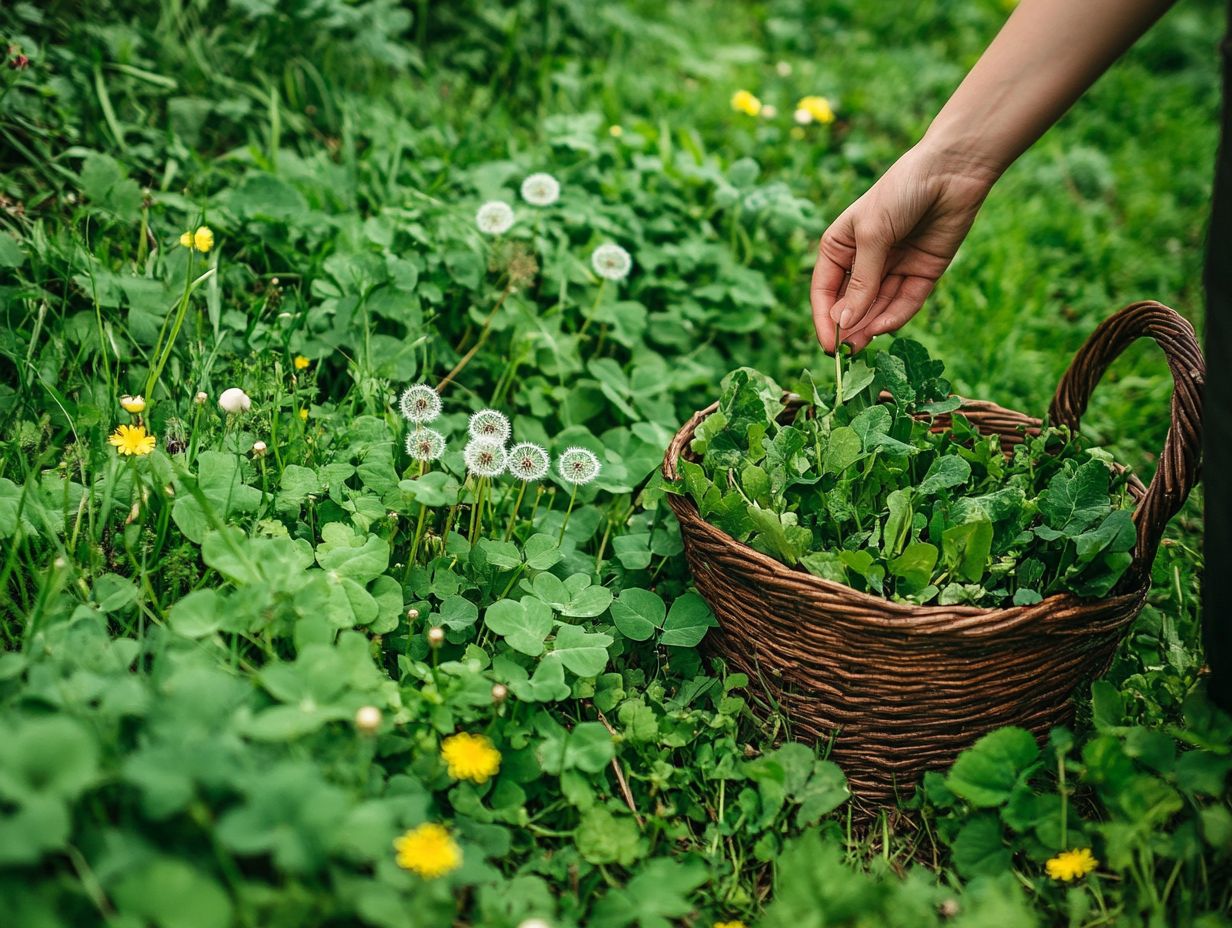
x,y
547,684
458,612
842,450
914,567
985,773
638,613
603,838
170,893
965,548
1076,498
51,756
587,746
583,652
687,621
979,847
197,615
523,624
350,555
542,552
946,472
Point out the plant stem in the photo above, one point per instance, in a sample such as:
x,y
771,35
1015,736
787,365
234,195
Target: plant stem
x,y
838,369
513,516
564,525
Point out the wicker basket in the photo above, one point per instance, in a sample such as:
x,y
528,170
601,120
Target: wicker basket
x,y
900,688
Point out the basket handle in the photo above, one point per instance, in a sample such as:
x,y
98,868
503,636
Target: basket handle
x,y
1180,463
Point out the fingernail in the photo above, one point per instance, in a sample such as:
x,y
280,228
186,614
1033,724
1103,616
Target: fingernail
x,y
844,319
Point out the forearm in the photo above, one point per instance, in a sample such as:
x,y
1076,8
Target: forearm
x,y
1044,57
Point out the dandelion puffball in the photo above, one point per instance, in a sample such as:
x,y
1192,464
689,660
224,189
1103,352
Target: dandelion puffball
x,y
420,403
541,189
201,397
425,444
489,425
578,465
494,218
234,400
611,262
485,458
528,462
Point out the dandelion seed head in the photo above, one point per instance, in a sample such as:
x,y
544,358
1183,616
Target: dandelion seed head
x,y
425,444
578,465
420,404
485,458
541,189
259,448
528,461
611,262
494,218
489,425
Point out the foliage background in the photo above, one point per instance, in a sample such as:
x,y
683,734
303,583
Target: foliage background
x,y
180,749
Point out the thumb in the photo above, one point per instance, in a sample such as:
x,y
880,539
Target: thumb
x,y
866,273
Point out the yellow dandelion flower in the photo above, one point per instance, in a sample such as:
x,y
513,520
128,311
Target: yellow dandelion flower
x,y
737,923
616,131
203,239
187,240
300,362
744,102
132,439
470,757
1070,865
817,108
428,850
133,404
303,414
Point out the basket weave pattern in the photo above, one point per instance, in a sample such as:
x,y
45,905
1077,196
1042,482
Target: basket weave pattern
x,y
901,688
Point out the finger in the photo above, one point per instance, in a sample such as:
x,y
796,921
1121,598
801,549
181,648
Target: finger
x,y
834,256
866,274
910,298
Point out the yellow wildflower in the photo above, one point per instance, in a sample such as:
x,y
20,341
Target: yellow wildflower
x,y
132,439
303,414
133,404
616,131
1070,865
470,757
744,102
186,240
428,850
737,923
300,362
203,239
811,109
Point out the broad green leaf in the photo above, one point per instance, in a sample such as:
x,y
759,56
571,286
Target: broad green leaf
x,y
523,624
985,773
638,613
584,653
965,548
843,449
687,621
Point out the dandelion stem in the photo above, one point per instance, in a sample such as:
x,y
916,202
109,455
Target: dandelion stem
x,y
513,516
479,342
423,512
594,310
564,525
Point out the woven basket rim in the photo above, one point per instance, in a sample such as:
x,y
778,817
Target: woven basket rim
x,y
895,614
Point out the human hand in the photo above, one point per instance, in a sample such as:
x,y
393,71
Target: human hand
x,y
882,256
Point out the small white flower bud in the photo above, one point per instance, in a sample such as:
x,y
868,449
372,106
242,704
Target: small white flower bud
x,y
436,637
412,614
533,923
368,719
201,397
499,693
234,400
258,448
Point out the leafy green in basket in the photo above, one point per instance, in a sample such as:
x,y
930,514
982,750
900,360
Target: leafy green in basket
x,y
864,488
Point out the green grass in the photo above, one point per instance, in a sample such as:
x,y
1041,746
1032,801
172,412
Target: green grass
x,y
188,635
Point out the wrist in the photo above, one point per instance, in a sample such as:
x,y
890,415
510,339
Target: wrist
x,y
964,156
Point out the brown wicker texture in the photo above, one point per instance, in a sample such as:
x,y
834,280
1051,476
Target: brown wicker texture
x,y
900,688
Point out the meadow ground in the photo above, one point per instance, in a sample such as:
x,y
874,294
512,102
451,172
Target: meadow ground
x,y
243,661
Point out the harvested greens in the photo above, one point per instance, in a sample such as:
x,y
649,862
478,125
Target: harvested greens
x,y
861,492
